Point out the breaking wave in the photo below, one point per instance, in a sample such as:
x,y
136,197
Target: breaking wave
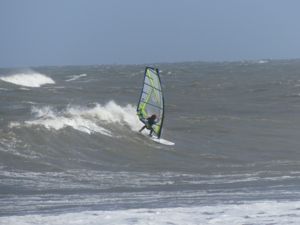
x,y
76,77
29,79
98,118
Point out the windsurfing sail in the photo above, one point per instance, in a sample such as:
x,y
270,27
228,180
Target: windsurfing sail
x,y
151,100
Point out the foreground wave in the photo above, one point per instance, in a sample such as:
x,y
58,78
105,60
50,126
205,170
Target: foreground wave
x,y
255,213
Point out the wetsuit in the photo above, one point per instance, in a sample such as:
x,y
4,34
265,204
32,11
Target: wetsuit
x,y
149,123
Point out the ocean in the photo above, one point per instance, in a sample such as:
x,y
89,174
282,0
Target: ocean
x,y
70,152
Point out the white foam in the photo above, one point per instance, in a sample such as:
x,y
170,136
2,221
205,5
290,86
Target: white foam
x,y
263,61
84,119
268,212
29,79
14,124
111,113
77,123
76,77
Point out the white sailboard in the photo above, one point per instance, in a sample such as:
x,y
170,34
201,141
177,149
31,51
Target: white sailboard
x,y
152,102
162,141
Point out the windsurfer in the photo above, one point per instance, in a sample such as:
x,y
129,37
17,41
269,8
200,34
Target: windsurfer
x,y
149,122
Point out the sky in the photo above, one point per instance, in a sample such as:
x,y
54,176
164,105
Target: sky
x,y
89,32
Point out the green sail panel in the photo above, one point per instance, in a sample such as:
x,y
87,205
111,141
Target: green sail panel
x,y
151,100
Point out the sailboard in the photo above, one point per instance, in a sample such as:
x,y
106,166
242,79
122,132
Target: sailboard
x,y
152,102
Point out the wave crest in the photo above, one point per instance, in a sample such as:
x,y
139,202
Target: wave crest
x,y
88,120
30,79
76,77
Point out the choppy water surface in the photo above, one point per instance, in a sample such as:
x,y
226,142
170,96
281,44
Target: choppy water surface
x,y
70,152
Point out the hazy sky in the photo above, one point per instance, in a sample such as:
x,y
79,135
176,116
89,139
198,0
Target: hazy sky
x,y
72,32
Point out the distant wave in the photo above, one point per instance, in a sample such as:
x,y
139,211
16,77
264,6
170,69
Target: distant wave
x,y
84,119
30,79
263,61
76,77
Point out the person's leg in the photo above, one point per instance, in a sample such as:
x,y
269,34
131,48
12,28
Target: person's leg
x,y
142,128
151,131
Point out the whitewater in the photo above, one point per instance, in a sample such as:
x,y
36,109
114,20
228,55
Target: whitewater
x,y
28,79
70,152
